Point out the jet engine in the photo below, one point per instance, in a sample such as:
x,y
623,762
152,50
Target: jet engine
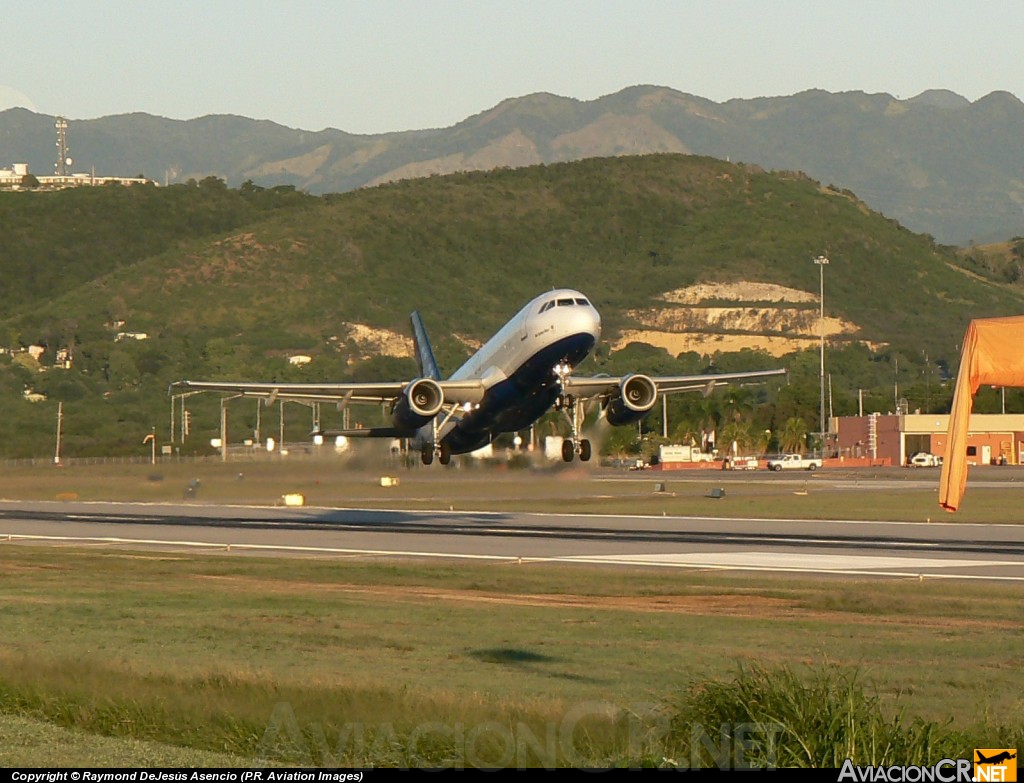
x,y
420,402
637,395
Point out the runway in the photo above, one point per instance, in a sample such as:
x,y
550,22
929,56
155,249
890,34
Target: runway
x,y
837,547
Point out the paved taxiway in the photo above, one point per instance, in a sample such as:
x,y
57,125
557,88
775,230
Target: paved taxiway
x,y
884,549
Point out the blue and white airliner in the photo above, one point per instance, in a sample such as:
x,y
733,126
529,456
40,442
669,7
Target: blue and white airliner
x,y
519,374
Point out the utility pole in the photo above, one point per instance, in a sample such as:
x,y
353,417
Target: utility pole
x,y
830,396
223,431
896,385
821,263
280,443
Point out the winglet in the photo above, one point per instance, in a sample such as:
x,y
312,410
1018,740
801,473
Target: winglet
x,y
424,354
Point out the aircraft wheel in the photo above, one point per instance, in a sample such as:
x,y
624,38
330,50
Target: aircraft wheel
x,y
585,450
568,452
427,455
445,455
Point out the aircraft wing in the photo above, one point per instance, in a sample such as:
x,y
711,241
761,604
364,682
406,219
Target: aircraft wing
x,y
455,392
607,386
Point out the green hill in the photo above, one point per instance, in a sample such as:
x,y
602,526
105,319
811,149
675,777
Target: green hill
x,y
54,241
938,163
467,250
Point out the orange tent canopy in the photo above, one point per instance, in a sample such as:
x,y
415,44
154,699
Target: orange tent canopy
x,y
993,353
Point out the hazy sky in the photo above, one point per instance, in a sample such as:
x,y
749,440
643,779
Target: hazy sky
x,y
385,65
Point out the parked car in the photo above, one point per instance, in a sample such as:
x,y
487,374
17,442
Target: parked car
x,y
924,460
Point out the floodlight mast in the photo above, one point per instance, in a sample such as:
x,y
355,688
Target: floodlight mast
x,y
63,166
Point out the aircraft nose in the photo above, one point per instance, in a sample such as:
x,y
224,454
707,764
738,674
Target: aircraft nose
x,y
586,320
595,323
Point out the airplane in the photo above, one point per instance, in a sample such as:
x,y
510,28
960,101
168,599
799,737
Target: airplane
x,y
996,759
524,370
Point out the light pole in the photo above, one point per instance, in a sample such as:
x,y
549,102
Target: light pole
x,y
60,420
821,262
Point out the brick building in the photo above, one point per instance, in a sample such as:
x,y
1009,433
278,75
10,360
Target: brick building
x,y
993,437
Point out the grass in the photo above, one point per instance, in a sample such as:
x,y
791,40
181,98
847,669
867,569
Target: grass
x,y
394,664
784,719
32,742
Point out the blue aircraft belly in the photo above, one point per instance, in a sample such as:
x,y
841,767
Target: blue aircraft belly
x,y
517,402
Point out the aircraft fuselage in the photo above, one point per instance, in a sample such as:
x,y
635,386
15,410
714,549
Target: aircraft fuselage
x,y
516,367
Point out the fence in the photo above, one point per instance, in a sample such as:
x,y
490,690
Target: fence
x,y
239,454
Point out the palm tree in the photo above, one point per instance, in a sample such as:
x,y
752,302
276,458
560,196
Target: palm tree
x,y
761,440
736,431
710,414
794,435
738,402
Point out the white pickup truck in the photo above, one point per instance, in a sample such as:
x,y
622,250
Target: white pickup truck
x,y
794,462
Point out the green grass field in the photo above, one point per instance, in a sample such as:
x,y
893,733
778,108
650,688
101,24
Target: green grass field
x,y
170,657
112,657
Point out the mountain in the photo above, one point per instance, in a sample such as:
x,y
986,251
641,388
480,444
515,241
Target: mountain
x,y
708,260
938,163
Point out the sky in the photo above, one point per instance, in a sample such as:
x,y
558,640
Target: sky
x,y
376,66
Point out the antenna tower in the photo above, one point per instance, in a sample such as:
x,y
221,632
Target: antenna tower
x,y
63,166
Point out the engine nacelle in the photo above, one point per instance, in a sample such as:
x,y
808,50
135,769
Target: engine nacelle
x,y
637,395
420,402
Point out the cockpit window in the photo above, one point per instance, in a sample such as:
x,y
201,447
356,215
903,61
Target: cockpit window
x,y
583,302
565,302
547,306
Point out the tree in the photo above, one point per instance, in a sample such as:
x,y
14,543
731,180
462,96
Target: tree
x,y
29,182
213,183
740,433
793,437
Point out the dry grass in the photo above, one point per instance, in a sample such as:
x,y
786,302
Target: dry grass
x,y
321,661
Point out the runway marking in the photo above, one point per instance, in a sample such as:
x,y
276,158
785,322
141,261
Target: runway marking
x,y
15,537
313,511
742,561
825,564
798,561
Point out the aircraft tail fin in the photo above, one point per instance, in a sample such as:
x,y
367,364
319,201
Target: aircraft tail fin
x,y
424,353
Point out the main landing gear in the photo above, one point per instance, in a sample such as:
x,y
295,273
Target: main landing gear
x,y
573,410
437,447
442,450
572,447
